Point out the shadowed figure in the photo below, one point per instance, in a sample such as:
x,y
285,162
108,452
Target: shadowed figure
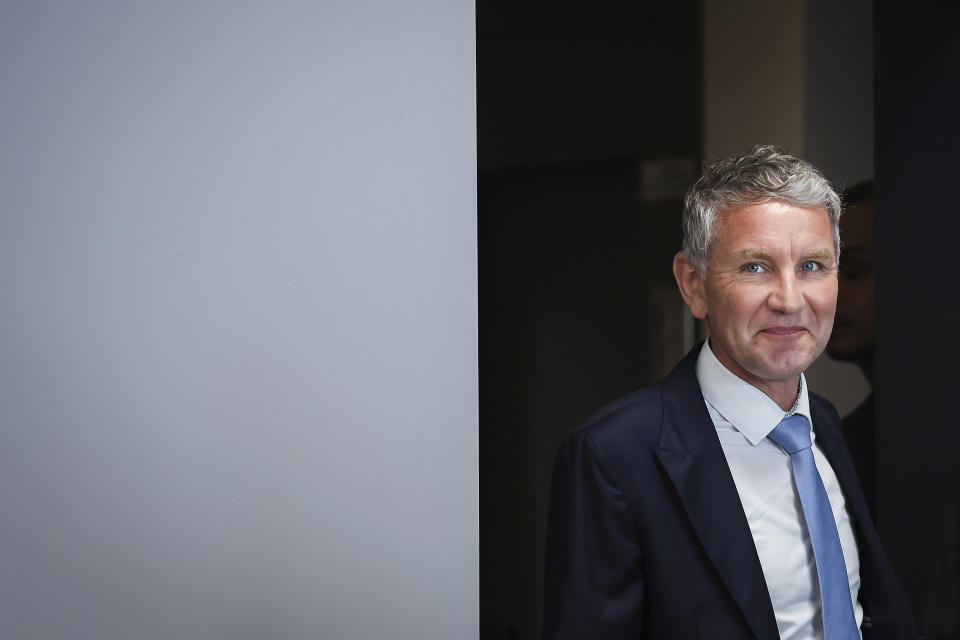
x,y
852,339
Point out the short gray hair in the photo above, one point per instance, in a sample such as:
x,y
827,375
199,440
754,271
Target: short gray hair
x,y
766,173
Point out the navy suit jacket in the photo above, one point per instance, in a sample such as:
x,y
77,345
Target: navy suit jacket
x,y
646,536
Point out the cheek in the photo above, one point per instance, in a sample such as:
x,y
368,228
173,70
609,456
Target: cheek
x,y
735,312
823,299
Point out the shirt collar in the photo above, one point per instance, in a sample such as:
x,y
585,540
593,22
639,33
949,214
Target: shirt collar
x,y
751,412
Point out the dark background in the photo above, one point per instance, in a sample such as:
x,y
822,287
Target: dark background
x,y
571,102
917,101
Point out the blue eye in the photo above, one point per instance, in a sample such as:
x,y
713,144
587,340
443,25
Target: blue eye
x,y
810,265
753,267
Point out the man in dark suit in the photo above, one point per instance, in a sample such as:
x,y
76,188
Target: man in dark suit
x,y
721,503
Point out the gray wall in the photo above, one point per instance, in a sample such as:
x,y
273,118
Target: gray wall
x,y
238,392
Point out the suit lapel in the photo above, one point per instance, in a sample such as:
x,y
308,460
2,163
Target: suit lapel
x,y
690,453
830,442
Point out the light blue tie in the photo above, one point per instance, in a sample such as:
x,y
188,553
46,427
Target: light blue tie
x,y
793,434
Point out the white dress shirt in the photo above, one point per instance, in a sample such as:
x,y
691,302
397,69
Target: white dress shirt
x,y
743,416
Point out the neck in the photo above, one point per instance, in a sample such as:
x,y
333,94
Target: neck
x,y
784,392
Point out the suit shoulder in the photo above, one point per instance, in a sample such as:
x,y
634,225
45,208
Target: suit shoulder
x,y
635,414
819,402
825,415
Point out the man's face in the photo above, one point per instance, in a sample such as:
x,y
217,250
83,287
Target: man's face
x,y
853,332
770,290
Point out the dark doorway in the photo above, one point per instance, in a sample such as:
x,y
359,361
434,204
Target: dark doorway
x,y
588,117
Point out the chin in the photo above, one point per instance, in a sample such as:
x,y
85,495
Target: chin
x,y
779,374
783,367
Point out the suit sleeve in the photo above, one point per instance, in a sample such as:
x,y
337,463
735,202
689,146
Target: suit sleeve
x,y
594,583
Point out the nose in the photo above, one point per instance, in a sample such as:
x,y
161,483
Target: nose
x,y
786,294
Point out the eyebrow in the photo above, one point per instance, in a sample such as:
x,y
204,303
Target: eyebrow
x,y
756,254
819,254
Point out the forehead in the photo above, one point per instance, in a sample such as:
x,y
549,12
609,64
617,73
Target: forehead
x,y
775,223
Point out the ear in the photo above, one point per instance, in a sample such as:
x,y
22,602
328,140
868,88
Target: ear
x,y
691,285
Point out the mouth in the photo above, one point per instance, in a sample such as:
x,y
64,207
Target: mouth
x,y
783,331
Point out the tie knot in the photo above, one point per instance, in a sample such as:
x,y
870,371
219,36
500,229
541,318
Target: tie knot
x,y
793,434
